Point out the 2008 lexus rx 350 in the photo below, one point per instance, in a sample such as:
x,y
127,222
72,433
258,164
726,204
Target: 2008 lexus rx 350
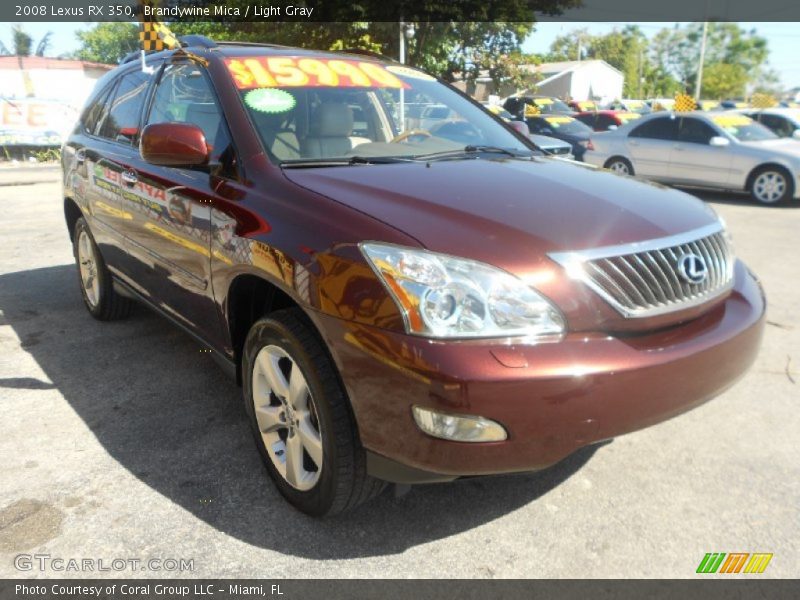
x,y
400,303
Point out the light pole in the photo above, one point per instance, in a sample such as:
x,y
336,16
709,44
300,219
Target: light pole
x,y
699,85
406,33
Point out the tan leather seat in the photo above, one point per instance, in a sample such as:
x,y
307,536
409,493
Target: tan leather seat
x,y
330,131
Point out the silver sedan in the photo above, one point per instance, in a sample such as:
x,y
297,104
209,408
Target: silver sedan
x,y
721,150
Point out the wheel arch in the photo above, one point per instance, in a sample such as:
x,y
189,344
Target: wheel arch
x,y
767,165
249,298
72,213
614,157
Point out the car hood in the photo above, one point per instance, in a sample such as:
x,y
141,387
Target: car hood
x,y
508,212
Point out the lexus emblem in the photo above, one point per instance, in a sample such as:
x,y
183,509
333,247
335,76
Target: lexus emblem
x,y
692,268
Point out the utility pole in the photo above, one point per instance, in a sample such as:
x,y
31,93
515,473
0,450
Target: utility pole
x,y
698,88
402,42
639,73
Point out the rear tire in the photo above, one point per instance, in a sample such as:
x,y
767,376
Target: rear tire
x,y
771,185
619,165
301,419
97,286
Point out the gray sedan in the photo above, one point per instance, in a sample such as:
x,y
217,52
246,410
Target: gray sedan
x,y
721,150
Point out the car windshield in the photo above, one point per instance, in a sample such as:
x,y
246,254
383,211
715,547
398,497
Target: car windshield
x,y
560,124
628,116
638,106
316,109
744,128
548,105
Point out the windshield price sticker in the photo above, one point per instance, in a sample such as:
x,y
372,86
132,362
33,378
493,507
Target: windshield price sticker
x,y
543,101
558,120
295,71
732,120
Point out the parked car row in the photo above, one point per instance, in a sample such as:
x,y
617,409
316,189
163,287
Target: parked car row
x,y
726,150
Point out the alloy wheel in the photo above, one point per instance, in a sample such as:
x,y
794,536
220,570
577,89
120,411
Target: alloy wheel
x,y
287,418
769,187
87,260
619,166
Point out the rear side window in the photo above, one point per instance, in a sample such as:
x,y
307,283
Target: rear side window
x,y
94,113
778,124
121,121
663,128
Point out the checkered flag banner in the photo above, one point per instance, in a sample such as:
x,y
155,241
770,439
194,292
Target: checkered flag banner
x,y
154,35
684,103
763,101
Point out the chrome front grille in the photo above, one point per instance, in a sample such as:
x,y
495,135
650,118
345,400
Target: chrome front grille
x,y
655,277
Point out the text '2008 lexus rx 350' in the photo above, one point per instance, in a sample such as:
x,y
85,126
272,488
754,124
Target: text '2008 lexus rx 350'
x,y
400,302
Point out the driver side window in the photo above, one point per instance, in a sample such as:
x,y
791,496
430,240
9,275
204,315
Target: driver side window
x,y
184,95
695,131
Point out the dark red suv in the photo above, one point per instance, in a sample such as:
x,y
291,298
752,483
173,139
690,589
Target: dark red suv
x,y
400,302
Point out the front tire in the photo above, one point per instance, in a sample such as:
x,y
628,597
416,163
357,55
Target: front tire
x,y
619,165
97,286
771,185
301,419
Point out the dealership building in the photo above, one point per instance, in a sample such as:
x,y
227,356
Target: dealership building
x,y
40,97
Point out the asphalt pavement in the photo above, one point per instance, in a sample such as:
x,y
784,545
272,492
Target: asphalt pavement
x,y
124,441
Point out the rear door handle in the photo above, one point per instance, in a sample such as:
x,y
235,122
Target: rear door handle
x,y
129,177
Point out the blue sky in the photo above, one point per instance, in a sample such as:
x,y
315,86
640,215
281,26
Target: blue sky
x,y
784,39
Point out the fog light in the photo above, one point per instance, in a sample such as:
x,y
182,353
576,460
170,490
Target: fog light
x,y
458,428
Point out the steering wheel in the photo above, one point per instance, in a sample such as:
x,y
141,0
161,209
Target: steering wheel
x,y
410,133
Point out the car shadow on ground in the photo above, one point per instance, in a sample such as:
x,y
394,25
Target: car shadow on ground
x,y
162,409
735,198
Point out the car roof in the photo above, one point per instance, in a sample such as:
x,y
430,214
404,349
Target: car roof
x,y
776,110
225,49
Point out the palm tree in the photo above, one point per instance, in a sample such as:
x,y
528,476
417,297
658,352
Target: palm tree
x,y
23,43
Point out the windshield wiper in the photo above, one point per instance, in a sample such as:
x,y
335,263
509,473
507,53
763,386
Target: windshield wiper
x,y
469,151
343,162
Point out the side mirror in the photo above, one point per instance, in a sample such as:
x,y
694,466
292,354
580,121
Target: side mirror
x,y
719,141
520,127
796,134
174,145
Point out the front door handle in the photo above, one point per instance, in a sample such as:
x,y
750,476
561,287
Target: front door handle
x,y
130,178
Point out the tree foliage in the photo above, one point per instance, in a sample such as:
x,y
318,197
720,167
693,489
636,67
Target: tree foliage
x,y
735,58
107,42
22,43
460,47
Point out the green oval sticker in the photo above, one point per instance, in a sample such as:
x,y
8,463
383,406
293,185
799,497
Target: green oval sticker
x,y
270,100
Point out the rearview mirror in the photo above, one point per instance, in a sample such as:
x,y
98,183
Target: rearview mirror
x,y
520,127
719,141
174,145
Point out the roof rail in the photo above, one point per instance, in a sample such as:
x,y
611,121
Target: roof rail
x,y
197,40
367,53
130,56
235,43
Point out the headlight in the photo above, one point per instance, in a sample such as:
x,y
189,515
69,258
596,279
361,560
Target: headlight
x,y
445,297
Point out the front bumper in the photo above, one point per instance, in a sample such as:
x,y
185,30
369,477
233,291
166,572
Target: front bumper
x,y
552,397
